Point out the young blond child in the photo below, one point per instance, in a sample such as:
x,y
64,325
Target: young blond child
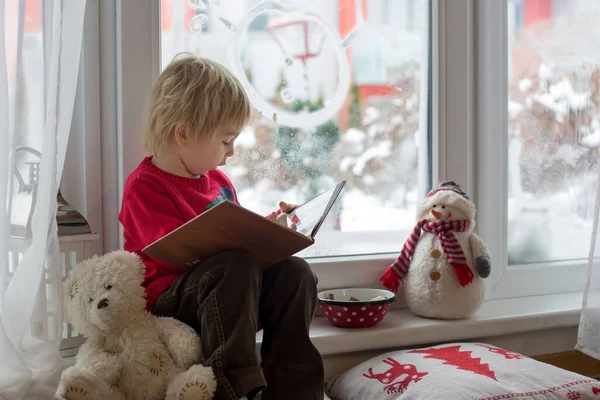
x,y
197,109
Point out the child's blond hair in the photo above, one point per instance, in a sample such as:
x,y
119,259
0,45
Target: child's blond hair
x,y
198,92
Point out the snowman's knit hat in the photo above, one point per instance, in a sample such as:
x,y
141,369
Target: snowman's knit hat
x,y
448,193
449,185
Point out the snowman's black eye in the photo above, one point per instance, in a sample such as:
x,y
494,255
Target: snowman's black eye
x,y
443,206
435,205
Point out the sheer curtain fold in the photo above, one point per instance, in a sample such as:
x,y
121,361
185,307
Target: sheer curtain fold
x,y
588,337
39,59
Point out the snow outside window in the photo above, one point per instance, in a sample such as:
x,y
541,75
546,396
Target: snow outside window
x,y
553,128
290,60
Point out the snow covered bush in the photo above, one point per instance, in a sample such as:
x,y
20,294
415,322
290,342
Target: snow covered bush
x,y
378,155
382,157
557,121
554,137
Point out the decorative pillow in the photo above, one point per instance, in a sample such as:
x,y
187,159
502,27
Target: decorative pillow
x,y
459,371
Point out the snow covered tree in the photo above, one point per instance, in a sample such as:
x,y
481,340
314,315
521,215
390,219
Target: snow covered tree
x,y
320,99
281,84
307,153
354,111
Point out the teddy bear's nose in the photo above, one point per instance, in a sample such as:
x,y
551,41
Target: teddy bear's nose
x,y
102,304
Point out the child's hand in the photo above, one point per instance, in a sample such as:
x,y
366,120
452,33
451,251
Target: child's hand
x,y
285,208
288,208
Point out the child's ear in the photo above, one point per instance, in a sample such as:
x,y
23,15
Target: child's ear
x,y
181,136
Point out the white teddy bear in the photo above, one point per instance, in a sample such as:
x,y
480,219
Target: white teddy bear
x,y
129,353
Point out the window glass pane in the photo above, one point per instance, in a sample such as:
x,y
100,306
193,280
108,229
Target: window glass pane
x,y
294,62
554,128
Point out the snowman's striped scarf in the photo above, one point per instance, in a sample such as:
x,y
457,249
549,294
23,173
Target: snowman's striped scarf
x,y
454,253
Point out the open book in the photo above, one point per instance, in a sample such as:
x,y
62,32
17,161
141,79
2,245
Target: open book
x,y
229,226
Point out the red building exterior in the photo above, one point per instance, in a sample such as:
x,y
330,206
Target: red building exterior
x,y
536,10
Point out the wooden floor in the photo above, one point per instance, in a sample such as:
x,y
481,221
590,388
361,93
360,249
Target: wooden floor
x,y
574,361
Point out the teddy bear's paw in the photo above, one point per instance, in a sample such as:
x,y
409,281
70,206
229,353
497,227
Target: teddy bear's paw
x,y
156,364
194,391
77,384
197,383
74,392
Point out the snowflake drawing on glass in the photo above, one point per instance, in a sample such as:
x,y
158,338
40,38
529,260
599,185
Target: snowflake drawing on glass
x,y
297,25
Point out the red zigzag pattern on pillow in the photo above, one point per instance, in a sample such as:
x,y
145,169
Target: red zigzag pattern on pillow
x,y
452,355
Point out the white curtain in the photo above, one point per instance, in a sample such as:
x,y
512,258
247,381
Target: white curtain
x,y
40,46
588,338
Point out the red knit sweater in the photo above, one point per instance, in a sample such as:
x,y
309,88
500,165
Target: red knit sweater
x,y
156,202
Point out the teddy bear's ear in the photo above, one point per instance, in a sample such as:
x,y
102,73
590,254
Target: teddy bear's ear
x,y
70,292
70,287
134,268
128,258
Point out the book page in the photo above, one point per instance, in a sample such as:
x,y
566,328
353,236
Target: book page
x,y
310,216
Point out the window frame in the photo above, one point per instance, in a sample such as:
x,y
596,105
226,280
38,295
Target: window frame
x,y
468,85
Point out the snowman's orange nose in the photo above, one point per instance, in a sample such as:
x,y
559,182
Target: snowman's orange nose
x,y
436,214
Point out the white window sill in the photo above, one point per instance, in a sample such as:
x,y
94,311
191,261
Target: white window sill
x,y
401,328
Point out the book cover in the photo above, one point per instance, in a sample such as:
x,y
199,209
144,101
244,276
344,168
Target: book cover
x,y
228,226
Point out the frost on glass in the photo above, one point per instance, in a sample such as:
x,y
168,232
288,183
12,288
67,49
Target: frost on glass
x,y
554,130
337,94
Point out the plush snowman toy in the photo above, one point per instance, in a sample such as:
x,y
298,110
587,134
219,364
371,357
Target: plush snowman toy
x,y
443,261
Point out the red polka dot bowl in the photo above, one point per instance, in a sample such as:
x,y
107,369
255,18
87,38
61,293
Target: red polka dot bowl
x,y
355,307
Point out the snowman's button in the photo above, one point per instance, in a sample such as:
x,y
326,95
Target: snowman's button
x,y
435,253
435,275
